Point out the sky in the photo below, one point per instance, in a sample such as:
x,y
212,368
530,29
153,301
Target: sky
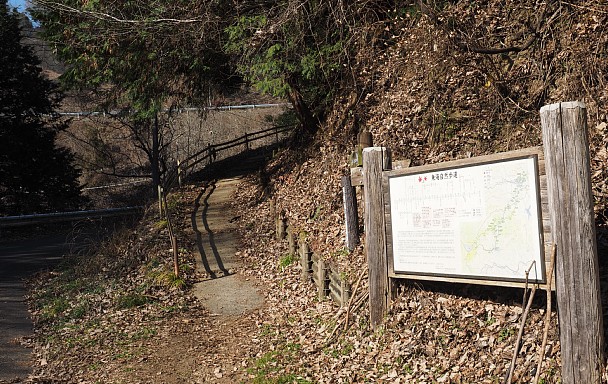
x,y
20,4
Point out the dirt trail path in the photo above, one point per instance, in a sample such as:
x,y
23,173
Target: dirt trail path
x,y
212,344
225,291
231,298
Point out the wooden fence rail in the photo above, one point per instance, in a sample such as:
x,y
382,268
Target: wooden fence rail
x,y
327,279
211,152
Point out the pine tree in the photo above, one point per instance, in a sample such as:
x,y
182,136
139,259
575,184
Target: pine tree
x,y
36,175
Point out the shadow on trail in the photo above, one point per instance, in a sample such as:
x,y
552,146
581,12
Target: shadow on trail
x,y
207,191
234,166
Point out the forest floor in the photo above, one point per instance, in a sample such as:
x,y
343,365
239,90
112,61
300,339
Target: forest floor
x,y
243,314
145,325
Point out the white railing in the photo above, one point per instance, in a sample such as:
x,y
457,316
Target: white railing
x,y
42,218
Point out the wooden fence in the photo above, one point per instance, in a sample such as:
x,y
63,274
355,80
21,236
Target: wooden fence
x,y
215,152
327,279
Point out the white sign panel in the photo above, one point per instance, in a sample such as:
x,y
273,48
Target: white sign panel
x,y
477,221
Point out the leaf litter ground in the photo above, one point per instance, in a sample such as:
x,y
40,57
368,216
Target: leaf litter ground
x,y
119,316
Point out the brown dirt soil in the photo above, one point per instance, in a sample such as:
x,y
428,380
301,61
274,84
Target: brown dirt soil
x,y
191,349
168,336
211,345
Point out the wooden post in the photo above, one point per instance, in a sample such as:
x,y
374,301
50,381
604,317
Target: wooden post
x,y
350,213
281,226
160,201
175,255
179,173
345,292
321,279
305,261
291,240
566,147
375,159
365,139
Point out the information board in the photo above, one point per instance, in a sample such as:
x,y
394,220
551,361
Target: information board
x,y
477,221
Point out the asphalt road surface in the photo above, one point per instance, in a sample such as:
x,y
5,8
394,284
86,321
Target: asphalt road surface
x,y
18,260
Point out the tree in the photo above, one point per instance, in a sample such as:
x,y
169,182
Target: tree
x,y
36,175
141,56
147,55
300,50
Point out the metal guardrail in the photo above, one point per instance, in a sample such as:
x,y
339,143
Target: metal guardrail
x,y
209,152
117,112
44,218
115,185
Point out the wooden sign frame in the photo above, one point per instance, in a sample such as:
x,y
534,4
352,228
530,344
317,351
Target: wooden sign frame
x,y
544,226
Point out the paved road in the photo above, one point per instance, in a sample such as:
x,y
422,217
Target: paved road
x,y
18,260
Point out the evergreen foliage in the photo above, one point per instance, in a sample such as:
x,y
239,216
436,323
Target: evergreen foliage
x,y
36,175
141,57
300,50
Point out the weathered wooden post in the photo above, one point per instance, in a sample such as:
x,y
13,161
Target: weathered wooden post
x,y
276,136
179,173
365,139
375,159
281,226
566,147
160,201
291,240
350,213
346,292
321,278
305,260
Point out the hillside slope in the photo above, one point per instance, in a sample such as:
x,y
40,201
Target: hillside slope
x,y
460,80
422,92
433,85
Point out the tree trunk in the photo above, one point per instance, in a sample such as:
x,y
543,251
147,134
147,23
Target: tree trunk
x,y
155,155
305,115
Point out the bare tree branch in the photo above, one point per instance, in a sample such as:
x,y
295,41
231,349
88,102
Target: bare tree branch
x,y
107,17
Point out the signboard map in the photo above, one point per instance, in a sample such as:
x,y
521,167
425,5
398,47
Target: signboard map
x,y
477,221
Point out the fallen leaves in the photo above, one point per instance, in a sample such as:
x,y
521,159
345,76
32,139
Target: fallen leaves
x,y
429,103
428,336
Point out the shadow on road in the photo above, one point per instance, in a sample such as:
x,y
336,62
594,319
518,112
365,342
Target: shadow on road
x,y
19,260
